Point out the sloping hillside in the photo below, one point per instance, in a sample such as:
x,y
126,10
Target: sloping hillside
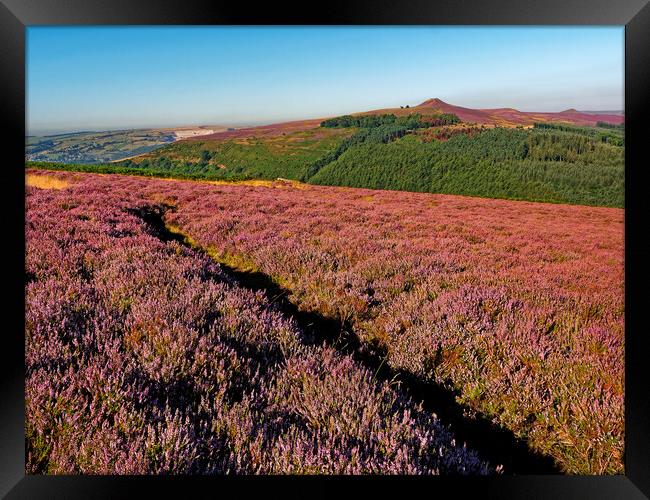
x,y
434,147
567,157
507,117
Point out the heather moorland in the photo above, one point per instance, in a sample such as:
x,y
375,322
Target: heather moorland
x,y
272,250
154,344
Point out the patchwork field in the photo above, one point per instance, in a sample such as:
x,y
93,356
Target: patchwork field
x,y
106,146
177,326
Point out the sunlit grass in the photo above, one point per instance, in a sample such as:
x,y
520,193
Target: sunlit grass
x,y
45,182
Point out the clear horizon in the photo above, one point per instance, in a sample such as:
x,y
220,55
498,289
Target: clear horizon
x,y
108,78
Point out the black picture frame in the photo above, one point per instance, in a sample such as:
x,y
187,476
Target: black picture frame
x,y
15,15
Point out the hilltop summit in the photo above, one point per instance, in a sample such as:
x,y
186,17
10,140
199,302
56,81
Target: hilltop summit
x,y
433,102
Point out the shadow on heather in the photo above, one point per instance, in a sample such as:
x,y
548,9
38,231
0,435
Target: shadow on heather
x,y
493,443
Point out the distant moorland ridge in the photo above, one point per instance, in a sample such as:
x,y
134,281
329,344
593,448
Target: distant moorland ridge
x,y
566,157
506,117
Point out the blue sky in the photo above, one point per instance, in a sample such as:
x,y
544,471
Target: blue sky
x,y
100,78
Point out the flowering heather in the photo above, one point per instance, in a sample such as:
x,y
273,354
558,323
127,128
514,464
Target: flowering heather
x,y
517,306
142,356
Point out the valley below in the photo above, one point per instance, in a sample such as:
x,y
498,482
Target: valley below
x,y
106,146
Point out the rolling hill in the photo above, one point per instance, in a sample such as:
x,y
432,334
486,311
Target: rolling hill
x,y
512,117
507,117
566,157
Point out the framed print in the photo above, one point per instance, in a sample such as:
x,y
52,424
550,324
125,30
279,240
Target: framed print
x,y
379,246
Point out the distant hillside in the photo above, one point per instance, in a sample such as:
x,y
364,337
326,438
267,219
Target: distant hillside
x,y
105,146
540,164
505,117
567,157
615,112
513,117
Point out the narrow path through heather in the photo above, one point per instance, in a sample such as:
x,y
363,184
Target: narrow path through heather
x,y
497,445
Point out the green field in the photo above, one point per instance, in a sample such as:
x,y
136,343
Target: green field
x,y
285,155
